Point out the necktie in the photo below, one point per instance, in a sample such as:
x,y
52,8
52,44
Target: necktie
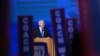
x,y
42,33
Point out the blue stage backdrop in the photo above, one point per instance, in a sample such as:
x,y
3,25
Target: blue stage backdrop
x,y
40,9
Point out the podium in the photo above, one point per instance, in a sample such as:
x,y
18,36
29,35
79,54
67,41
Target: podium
x,y
49,42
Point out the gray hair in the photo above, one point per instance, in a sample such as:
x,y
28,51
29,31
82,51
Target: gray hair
x,y
40,21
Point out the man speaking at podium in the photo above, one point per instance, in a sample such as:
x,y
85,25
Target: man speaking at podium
x,y
40,35
41,31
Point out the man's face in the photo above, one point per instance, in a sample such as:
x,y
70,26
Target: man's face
x,y
41,24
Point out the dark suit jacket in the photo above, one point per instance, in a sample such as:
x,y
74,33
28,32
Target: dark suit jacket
x,y
36,33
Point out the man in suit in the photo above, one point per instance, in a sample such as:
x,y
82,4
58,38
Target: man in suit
x,y
41,31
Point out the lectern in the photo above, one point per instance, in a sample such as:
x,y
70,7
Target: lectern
x,y
49,42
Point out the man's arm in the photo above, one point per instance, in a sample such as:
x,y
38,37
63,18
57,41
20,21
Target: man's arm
x,y
48,33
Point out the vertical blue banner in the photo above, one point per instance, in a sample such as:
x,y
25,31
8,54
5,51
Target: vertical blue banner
x,y
72,37
25,35
58,22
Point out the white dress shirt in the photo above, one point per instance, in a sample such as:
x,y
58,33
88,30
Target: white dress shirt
x,y
41,31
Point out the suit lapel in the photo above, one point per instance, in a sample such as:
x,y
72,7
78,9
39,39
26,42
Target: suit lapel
x,y
39,32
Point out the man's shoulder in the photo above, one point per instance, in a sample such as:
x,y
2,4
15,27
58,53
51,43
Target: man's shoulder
x,y
45,28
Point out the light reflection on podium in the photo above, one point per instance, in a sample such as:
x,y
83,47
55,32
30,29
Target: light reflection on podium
x,y
50,44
